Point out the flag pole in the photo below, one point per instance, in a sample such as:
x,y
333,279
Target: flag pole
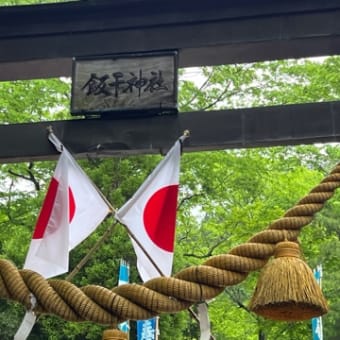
x,y
143,249
85,259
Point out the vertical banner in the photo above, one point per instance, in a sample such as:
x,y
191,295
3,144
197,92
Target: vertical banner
x,y
147,329
317,322
124,271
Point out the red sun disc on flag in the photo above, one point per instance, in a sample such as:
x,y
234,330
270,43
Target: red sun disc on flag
x,y
72,205
46,210
160,217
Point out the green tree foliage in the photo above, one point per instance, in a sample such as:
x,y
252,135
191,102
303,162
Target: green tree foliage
x,y
226,196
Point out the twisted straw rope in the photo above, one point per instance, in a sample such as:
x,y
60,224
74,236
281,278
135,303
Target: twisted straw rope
x,y
163,294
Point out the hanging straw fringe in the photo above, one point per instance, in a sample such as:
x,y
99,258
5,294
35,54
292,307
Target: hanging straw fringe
x,y
163,295
287,289
114,334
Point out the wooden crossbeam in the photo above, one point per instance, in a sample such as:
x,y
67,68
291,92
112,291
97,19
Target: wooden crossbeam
x,y
212,130
40,41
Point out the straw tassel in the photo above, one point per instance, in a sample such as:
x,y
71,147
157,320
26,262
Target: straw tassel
x,y
114,334
286,289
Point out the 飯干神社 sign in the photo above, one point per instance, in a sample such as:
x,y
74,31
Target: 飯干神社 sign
x,y
124,83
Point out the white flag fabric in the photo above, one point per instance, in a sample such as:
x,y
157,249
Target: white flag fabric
x,y
72,209
150,216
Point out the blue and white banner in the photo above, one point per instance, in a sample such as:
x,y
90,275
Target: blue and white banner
x,y
147,329
124,273
124,270
317,322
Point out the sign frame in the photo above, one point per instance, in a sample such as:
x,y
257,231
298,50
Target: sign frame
x,y
108,93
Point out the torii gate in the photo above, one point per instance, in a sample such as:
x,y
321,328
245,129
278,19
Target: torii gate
x,y
39,41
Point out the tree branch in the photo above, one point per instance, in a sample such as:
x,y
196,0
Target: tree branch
x,y
30,177
206,82
237,301
210,251
221,96
187,198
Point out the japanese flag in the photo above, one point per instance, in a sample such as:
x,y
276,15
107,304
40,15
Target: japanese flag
x,y
72,209
150,216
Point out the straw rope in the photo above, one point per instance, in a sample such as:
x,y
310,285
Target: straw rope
x,y
164,294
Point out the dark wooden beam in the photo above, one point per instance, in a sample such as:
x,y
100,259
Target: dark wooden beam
x,y
39,41
242,128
